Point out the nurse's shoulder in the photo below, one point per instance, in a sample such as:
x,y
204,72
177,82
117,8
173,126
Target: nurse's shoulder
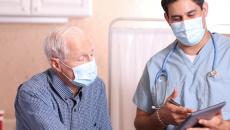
x,y
222,42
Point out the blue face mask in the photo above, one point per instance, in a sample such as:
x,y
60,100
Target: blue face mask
x,y
84,74
189,32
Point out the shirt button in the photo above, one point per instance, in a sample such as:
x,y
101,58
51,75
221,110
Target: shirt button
x,y
74,109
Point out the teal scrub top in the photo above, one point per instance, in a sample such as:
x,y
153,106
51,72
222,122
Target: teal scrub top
x,y
196,90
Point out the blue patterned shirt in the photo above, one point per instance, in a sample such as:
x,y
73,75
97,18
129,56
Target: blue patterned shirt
x,y
45,102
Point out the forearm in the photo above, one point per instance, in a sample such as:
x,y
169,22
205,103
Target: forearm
x,y
150,122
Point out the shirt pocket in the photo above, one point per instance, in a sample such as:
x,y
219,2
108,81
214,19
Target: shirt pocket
x,y
178,86
93,119
93,126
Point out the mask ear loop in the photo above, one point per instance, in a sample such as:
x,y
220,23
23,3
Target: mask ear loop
x,y
64,73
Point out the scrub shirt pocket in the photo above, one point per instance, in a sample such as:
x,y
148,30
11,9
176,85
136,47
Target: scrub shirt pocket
x,y
178,86
161,92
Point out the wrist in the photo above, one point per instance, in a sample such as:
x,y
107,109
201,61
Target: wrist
x,y
160,120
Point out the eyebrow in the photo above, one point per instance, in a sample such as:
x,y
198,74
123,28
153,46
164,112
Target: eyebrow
x,y
191,11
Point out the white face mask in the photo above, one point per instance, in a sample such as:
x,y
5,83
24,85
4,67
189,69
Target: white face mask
x,y
84,74
189,32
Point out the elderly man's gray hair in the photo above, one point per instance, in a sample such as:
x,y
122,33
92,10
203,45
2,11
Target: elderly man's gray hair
x,y
55,44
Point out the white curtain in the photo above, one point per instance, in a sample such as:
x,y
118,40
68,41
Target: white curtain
x,y
130,49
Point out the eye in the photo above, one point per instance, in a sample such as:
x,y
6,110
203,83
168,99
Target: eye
x,y
92,54
192,14
176,19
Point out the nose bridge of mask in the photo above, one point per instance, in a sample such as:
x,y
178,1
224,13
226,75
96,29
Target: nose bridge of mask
x,y
193,23
193,27
187,25
178,26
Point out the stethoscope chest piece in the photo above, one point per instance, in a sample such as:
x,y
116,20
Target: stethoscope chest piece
x,y
213,73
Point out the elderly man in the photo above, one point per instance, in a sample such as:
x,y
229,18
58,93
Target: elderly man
x,y
69,95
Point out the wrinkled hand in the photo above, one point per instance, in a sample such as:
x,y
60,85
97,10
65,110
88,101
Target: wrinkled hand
x,y
216,123
172,114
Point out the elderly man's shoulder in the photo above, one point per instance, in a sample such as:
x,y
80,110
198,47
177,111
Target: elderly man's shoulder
x,y
99,83
36,84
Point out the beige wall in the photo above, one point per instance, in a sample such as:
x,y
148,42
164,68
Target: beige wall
x,y
21,52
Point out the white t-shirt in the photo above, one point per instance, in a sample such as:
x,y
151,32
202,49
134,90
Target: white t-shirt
x,y
191,57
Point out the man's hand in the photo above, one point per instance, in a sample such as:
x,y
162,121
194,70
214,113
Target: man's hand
x,y
216,123
172,114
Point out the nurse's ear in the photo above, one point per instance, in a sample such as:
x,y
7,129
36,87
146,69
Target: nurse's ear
x,y
205,9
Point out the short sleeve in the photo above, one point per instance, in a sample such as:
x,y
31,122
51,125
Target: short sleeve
x,y
142,97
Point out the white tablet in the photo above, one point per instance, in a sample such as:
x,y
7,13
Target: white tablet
x,y
207,113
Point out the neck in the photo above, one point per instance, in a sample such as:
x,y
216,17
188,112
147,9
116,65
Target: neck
x,y
194,50
74,89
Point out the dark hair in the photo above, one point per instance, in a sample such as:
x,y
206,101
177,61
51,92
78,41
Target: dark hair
x,y
165,3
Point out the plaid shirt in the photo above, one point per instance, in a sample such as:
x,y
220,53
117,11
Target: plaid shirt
x,y
46,103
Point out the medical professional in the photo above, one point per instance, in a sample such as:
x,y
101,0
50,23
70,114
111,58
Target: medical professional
x,y
193,71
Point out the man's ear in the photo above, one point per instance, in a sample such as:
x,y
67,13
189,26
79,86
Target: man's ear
x,y
205,9
55,64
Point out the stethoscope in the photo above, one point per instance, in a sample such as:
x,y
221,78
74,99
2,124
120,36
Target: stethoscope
x,y
161,79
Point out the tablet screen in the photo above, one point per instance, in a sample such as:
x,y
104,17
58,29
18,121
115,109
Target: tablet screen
x,y
207,113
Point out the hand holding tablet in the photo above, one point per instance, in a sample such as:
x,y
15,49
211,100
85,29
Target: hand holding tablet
x,y
207,113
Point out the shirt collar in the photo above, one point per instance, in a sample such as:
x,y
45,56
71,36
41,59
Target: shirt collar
x,y
61,88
